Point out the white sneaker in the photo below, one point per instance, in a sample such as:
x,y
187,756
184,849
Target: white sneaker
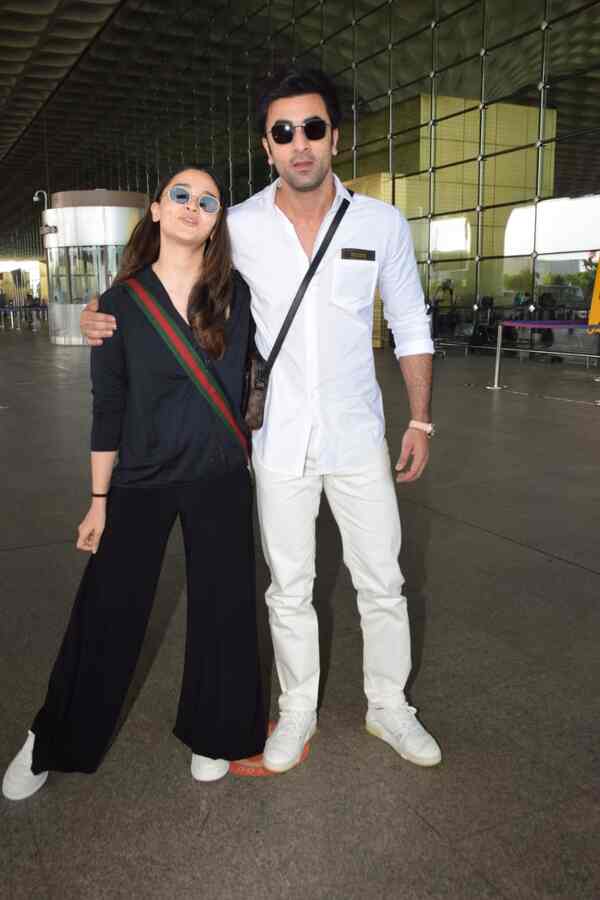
x,y
19,781
284,747
204,768
403,731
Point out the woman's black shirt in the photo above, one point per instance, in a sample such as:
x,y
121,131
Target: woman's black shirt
x,y
145,405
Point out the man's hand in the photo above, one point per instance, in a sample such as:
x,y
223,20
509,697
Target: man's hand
x,y
96,326
413,456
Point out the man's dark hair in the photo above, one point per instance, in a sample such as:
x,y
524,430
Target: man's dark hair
x,y
293,82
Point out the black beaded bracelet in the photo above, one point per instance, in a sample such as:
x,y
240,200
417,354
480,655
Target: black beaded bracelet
x,y
99,495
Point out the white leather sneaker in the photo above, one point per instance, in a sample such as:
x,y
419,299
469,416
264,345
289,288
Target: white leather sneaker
x,y
284,747
204,768
402,730
19,781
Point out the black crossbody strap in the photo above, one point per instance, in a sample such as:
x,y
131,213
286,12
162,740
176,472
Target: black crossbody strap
x,y
304,285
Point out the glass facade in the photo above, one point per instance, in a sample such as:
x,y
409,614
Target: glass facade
x,y
473,118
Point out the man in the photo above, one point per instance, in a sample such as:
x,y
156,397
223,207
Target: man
x,y
324,426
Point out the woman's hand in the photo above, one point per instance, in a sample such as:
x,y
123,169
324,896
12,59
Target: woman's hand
x,y
90,530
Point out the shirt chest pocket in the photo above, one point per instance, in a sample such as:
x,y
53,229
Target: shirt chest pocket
x,y
354,282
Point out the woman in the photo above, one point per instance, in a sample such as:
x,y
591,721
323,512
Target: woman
x,y
167,392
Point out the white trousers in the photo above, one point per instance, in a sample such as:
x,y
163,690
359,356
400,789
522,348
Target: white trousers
x,y
366,511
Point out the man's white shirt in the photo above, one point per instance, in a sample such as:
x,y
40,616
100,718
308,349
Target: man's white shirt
x,y
323,388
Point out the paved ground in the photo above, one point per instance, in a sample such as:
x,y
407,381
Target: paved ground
x,y
503,579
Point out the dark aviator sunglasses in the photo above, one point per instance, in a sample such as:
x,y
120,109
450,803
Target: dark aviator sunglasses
x,y
314,129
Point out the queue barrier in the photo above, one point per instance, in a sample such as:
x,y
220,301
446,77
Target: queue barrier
x,y
496,386
19,318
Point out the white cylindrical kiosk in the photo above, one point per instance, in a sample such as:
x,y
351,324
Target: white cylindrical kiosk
x,y
84,236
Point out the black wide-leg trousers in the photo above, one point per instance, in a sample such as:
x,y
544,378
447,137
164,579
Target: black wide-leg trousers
x,y
220,712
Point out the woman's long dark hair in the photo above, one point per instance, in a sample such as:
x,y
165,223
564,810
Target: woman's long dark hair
x,y
210,296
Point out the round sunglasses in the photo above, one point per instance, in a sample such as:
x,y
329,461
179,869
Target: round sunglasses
x,y
314,129
206,202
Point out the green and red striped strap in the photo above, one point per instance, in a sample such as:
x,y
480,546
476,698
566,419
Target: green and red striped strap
x,y
187,357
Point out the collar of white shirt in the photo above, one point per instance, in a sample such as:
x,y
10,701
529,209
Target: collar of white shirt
x,y
341,193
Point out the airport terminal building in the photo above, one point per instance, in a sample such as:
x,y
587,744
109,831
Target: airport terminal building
x,y
479,120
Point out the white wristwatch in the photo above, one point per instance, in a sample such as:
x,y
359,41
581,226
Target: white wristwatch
x,y
427,427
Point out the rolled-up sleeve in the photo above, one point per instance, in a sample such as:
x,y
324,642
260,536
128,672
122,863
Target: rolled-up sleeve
x,y
401,292
109,387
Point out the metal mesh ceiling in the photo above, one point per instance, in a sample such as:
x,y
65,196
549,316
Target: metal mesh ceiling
x,y
40,41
